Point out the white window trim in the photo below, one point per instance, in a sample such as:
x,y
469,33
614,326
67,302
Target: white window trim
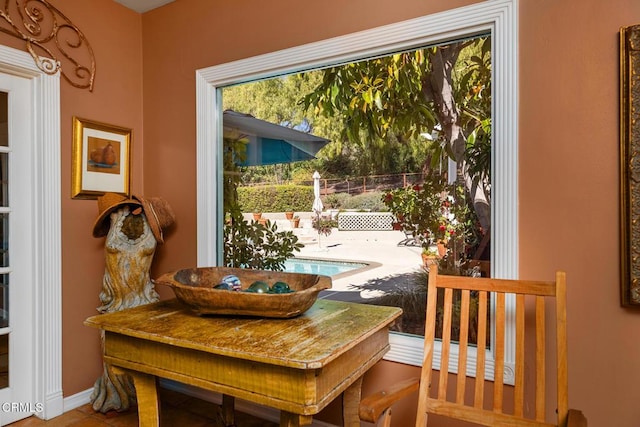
x,y
499,17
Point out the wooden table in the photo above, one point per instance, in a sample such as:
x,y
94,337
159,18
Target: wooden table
x,y
297,365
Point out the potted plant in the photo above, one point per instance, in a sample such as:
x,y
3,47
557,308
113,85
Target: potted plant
x,y
289,215
258,246
324,225
435,213
295,222
257,216
430,256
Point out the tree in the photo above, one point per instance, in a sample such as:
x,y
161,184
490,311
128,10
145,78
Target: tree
x,y
422,91
277,100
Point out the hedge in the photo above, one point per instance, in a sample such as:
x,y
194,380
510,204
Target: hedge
x,y
276,198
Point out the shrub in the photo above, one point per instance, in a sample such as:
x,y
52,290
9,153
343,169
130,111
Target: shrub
x,y
275,198
366,201
335,200
257,246
433,212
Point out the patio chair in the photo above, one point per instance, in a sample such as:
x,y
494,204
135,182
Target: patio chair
x,y
409,239
468,403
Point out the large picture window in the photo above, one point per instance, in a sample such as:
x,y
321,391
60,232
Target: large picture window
x,y
498,19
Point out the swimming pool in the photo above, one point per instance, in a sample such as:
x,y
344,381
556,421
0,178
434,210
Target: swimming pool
x,y
318,266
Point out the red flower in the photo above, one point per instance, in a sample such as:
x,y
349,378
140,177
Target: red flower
x,y
416,187
442,227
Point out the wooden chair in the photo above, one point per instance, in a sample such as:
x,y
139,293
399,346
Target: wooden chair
x,y
488,412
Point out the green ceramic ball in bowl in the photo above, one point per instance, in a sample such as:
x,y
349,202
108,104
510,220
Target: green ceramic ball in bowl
x,y
263,293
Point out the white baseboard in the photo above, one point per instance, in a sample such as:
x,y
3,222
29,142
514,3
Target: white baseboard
x,y
264,412
77,400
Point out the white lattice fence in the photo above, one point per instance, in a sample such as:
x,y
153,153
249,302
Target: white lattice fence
x,y
365,221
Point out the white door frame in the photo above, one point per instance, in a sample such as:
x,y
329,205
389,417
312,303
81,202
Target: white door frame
x,y
46,244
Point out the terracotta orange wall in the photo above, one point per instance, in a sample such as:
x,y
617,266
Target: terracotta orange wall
x,y
569,192
114,33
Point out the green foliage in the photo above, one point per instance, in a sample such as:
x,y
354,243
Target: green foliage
x,y
432,212
275,198
324,225
257,246
335,200
303,171
233,151
366,201
376,97
446,89
277,101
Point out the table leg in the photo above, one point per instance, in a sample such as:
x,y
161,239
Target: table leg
x,y
228,414
148,401
287,419
350,403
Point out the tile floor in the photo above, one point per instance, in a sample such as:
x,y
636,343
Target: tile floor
x,y
177,410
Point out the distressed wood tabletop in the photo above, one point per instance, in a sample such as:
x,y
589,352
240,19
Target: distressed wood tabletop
x,y
311,340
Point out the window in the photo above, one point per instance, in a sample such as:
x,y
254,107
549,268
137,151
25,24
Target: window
x,y
499,18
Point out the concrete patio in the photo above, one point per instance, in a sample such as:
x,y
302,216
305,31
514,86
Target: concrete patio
x,y
389,267
389,264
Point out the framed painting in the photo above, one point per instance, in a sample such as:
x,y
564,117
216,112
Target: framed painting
x,y
101,159
630,164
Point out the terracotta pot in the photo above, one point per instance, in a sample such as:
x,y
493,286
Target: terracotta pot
x,y
429,260
257,216
289,215
295,223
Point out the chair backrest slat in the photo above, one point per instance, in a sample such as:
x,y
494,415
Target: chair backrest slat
x,y
518,407
561,345
506,286
478,399
446,343
540,359
464,318
463,344
498,380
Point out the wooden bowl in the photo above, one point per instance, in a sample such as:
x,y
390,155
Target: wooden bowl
x,y
195,288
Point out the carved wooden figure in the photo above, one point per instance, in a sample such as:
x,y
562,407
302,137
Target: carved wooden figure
x,y
133,232
129,250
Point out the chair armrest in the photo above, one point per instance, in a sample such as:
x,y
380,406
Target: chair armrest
x,y
576,419
371,407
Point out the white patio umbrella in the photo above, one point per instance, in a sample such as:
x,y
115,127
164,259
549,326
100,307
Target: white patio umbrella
x,y
317,202
318,207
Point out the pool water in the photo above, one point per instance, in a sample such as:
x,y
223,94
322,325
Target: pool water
x,y
316,266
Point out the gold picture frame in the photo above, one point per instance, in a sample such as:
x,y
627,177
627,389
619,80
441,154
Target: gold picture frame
x,y
630,165
101,159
